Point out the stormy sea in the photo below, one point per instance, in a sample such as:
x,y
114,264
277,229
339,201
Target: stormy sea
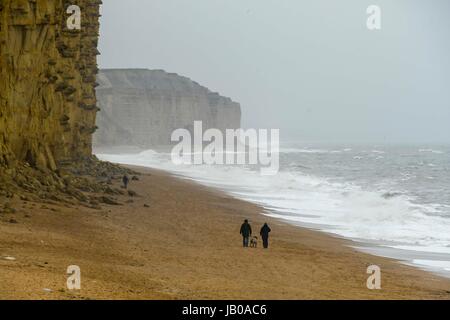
x,y
392,201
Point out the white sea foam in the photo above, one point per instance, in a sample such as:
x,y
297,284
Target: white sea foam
x,y
297,150
312,150
341,208
433,264
431,151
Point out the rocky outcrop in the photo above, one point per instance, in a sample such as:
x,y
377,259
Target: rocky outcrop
x,y
143,107
47,82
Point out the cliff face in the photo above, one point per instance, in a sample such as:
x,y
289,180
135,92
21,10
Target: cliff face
x,y
143,107
47,80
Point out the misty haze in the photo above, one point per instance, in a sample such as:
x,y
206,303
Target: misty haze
x,y
310,68
236,150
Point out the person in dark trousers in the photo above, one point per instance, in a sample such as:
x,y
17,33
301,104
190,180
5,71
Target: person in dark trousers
x,y
125,181
246,232
265,230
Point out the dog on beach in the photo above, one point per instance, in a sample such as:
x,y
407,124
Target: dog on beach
x,y
254,242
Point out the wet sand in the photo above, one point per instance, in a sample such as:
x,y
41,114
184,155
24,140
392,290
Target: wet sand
x,y
180,240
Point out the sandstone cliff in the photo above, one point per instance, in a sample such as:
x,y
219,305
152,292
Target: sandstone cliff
x,y
47,80
48,105
142,107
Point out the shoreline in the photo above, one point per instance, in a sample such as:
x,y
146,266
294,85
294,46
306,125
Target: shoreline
x,y
405,257
180,240
425,260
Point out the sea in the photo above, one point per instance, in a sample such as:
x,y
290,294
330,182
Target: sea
x,y
390,200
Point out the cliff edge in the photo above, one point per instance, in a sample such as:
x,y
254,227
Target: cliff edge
x,y
48,105
140,107
47,82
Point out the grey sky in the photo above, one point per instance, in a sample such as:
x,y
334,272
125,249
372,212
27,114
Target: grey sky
x,y
311,68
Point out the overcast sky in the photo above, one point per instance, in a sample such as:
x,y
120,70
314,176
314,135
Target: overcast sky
x,y
310,68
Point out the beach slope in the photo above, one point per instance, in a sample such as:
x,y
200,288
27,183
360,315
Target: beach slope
x,y
178,240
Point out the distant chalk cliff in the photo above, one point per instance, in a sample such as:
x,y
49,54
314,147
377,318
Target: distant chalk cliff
x,y
142,108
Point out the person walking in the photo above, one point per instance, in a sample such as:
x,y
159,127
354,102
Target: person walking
x,y
125,181
246,232
265,230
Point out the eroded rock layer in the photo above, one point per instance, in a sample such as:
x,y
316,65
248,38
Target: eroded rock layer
x,y
142,108
47,82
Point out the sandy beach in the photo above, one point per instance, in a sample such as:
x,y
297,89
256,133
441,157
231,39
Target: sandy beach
x,y
179,240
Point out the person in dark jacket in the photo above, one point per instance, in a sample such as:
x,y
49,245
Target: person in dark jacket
x,y
125,181
265,230
246,232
